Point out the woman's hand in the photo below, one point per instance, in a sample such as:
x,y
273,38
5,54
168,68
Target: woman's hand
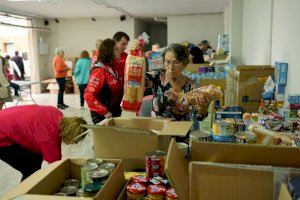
x,y
108,115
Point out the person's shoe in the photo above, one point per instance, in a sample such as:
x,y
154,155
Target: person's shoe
x,y
61,107
66,106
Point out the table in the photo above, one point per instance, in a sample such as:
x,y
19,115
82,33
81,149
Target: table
x,y
25,87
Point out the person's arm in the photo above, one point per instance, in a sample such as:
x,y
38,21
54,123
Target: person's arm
x,y
60,65
96,82
15,67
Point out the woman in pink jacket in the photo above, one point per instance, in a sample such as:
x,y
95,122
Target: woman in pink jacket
x,y
32,133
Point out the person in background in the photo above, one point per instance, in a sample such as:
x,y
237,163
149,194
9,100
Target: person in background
x,y
104,90
60,73
171,86
206,48
32,134
196,55
5,93
9,75
81,73
19,61
95,52
122,40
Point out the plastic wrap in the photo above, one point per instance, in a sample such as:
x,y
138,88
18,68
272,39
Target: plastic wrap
x,y
134,80
201,98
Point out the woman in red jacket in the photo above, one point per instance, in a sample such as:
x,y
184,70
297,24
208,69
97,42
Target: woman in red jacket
x,y
30,134
104,89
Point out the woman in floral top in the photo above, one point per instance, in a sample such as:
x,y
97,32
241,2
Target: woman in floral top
x,y
171,85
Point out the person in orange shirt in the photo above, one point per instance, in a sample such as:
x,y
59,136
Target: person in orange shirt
x,y
60,73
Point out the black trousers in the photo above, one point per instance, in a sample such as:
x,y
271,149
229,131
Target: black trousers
x,y
16,88
81,89
115,110
21,159
61,85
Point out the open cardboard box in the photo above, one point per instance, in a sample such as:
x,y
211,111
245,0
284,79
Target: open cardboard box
x,y
194,68
200,180
47,181
130,138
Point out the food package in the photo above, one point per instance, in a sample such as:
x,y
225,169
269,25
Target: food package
x,y
201,98
155,61
134,80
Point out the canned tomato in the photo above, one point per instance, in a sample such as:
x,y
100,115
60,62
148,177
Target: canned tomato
x,y
108,167
155,163
97,161
99,175
156,192
69,190
86,172
72,182
135,191
139,179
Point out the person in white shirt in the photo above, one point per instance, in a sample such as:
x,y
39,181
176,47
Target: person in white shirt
x,y
13,66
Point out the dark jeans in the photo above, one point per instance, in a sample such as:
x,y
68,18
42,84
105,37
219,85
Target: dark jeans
x,y
61,84
115,110
81,89
21,159
16,88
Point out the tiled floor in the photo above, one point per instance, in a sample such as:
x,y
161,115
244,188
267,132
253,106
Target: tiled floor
x,y
10,177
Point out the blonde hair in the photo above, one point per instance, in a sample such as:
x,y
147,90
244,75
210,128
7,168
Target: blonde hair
x,y
71,128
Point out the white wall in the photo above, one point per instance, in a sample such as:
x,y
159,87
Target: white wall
x,y
257,32
194,28
226,18
75,35
286,40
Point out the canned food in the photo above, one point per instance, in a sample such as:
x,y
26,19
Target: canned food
x,y
80,193
86,172
136,191
72,182
245,138
107,166
204,136
171,194
97,161
69,190
156,192
140,179
92,188
99,175
155,163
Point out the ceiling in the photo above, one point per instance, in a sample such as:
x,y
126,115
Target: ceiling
x,y
112,8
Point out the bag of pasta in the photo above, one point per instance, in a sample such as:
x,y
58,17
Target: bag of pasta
x,y
134,80
201,98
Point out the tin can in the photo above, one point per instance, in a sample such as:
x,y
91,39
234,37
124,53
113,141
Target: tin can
x,y
86,172
81,193
99,175
72,182
108,167
92,188
155,163
204,136
97,161
245,138
68,190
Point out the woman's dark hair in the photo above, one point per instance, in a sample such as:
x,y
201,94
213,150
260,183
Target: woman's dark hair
x,y
84,54
197,54
107,51
180,52
118,36
7,57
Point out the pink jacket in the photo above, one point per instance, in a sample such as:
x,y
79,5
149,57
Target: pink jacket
x,y
36,128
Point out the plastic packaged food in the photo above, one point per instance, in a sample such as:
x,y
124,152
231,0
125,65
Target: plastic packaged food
x,y
156,192
134,80
135,191
155,162
139,179
201,98
171,194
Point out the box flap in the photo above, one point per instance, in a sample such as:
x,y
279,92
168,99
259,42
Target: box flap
x,y
219,181
31,181
281,156
284,193
180,128
177,170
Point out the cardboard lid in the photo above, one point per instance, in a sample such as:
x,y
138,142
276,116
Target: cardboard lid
x,y
163,127
177,170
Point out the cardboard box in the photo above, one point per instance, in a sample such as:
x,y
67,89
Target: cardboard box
x,y
130,138
217,82
281,72
194,68
208,181
249,82
45,182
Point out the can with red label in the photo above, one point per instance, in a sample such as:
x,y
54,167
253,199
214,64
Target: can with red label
x,y
155,163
